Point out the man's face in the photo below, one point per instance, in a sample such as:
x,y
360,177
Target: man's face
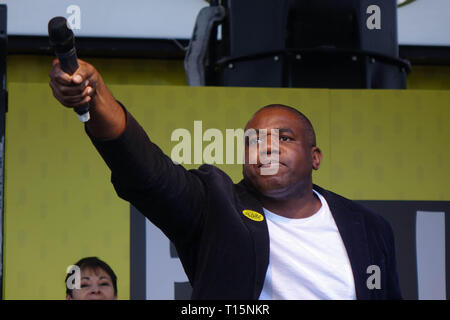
x,y
96,284
297,157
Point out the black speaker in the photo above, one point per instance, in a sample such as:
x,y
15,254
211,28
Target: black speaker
x,y
307,43
3,46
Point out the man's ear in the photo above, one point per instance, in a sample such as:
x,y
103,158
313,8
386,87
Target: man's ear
x,y
316,154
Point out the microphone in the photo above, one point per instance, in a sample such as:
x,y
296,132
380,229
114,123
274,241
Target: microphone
x,y
62,40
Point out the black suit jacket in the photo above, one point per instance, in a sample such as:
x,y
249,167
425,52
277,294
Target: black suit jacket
x,y
224,253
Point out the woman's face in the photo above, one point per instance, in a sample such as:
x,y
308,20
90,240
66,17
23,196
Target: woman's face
x,y
96,284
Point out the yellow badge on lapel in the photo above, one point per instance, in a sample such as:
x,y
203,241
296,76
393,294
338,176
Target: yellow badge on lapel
x,y
253,215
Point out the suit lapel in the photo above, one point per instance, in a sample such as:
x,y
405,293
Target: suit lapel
x,y
259,232
353,233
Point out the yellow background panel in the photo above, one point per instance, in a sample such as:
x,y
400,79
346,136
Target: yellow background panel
x,y
391,145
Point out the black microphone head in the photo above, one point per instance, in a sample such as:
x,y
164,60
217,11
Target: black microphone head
x,y
60,35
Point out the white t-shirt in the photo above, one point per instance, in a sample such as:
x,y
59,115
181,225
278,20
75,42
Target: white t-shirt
x,y
308,259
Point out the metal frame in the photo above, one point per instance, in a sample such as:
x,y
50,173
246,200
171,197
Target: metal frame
x,y
3,110
105,47
138,253
176,49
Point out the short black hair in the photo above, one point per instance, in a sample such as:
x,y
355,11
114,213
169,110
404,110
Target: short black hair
x,y
309,129
94,263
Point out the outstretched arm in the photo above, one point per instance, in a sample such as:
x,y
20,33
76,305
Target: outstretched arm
x,y
169,195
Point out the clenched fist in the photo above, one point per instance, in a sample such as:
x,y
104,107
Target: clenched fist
x,y
108,118
77,89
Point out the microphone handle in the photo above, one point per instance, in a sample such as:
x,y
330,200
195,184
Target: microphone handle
x,y
69,64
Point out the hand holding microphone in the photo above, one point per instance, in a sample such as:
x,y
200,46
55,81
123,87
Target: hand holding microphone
x,y
77,84
73,81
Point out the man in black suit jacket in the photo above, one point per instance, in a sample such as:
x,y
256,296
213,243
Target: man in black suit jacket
x,y
220,229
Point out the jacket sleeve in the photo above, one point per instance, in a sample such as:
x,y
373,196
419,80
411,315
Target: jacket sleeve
x,y
170,196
